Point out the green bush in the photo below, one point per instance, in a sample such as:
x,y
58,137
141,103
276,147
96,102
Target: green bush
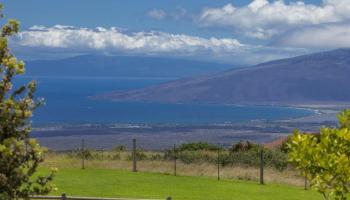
x,y
156,156
87,153
196,146
140,155
120,148
242,153
116,156
242,146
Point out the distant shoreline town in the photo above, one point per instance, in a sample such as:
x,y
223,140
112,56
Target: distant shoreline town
x,y
62,136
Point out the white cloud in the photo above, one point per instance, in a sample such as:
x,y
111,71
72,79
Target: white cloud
x,y
157,14
176,14
326,36
115,41
263,19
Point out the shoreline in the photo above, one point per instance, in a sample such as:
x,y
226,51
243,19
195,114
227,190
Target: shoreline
x,y
163,136
316,111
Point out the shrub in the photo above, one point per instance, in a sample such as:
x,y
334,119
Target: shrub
x,y
140,155
20,155
325,158
242,146
196,146
242,153
156,156
120,148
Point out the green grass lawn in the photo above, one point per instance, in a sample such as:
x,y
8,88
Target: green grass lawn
x,y
114,183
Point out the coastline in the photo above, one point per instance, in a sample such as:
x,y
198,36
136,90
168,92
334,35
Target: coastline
x,y
323,112
164,136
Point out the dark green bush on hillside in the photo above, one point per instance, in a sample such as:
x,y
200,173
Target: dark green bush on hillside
x,y
196,146
120,148
140,155
272,157
242,153
242,146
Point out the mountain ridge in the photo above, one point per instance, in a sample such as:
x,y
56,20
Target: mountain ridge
x,y
122,66
315,78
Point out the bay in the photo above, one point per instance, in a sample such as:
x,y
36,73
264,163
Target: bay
x,y
67,102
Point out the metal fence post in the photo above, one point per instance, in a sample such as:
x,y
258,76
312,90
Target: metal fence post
x,y
175,159
134,156
262,166
218,164
305,183
83,154
63,196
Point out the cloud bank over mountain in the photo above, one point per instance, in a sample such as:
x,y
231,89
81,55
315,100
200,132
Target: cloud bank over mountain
x,y
116,41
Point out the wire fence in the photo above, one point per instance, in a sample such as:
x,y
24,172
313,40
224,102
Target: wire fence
x,y
260,164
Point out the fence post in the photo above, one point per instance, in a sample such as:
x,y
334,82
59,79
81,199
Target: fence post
x,y
134,156
168,198
305,182
83,154
63,196
262,166
175,159
219,164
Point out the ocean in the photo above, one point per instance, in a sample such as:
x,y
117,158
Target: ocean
x,y
67,102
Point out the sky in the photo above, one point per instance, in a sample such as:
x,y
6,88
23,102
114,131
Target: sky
x,y
239,32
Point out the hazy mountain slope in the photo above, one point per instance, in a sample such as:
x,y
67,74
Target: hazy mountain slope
x,y
122,66
316,78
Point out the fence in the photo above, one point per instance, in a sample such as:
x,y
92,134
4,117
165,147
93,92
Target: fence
x,y
65,197
220,163
175,157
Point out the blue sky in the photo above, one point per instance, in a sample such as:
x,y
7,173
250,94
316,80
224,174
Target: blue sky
x,y
129,14
237,31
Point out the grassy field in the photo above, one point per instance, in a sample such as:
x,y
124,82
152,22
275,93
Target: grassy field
x,y
112,178
237,172
118,183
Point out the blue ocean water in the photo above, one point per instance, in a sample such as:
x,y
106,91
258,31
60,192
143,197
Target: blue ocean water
x,y
67,102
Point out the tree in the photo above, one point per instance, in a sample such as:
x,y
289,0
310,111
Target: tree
x,y
325,158
19,154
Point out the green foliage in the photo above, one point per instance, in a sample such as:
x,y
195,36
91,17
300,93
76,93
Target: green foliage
x,y
196,146
86,154
189,157
140,155
251,157
120,148
325,159
241,153
90,154
156,156
284,146
19,155
344,119
242,146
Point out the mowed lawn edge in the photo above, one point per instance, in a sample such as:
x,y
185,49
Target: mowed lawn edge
x,y
119,183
